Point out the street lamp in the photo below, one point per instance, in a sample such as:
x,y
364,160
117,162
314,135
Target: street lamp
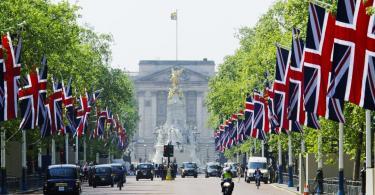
x,y
145,152
207,153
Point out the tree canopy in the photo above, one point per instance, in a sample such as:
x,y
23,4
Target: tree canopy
x,y
75,51
243,71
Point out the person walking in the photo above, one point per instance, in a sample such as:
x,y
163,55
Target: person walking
x,y
239,172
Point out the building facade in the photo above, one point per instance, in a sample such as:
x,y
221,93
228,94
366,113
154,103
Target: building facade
x,y
152,84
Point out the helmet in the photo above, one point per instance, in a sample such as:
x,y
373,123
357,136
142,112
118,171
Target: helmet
x,y
226,169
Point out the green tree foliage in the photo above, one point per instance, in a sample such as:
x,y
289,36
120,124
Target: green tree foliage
x,y
242,72
73,51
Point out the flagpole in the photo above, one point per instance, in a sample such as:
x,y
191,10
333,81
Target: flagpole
x,y
3,186
262,148
238,158
280,161
319,175
53,151
40,160
290,161
369,169
66,148
23,158
302,175
77,141
84,150
176,36
341,160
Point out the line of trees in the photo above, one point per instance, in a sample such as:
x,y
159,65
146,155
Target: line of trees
x,y
243,71
74,51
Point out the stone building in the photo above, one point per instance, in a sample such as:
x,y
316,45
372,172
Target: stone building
x,y
152,84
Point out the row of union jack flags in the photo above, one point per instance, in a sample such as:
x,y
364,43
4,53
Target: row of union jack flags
x,y
29,92
336,63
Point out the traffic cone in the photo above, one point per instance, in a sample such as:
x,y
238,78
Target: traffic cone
x,y
306,190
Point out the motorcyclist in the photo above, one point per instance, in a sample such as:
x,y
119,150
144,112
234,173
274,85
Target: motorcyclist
x,y
227,177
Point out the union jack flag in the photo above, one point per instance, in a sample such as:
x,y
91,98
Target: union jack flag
x,y
82,115
31,97
100,123
234,131
269,96
95,96
317,65
260,117
249,114
353,54
280,88
10,70
240,127
296,110
54,107
68,101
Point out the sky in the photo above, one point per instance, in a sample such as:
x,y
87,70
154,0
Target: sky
x,y
143,29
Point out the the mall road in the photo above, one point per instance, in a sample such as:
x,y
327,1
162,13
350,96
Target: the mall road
x,y
183,186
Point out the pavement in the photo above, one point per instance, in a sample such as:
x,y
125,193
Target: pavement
x,y
184,186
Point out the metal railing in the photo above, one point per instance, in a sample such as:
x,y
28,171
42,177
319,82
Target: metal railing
x,y
286,179
32,182
331,186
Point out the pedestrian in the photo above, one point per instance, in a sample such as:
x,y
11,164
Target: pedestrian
x,y
239,173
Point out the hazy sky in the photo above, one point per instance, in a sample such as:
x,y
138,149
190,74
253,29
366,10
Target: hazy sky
x,y
143,30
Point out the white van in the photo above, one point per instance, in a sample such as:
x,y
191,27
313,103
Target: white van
x,y
252,165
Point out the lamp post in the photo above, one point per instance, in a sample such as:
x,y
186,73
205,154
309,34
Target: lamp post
x,y
145,152
207,153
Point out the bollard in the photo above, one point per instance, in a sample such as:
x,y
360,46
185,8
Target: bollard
x,y
169,175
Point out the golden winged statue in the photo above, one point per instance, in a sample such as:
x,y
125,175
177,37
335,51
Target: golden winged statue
x,y
175,80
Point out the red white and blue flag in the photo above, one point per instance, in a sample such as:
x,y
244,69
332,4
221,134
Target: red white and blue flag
x,y
101,123
317,65
10,70
260,124
240,127
249,114
353,54
32,96
296,106
68,101
54,107
82,115
269,96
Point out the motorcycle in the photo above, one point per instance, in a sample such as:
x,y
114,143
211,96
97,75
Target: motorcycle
x,y
227,187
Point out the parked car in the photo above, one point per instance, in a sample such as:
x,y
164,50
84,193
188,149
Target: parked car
x,y
102,176
213,169
62,179
117,170
189,169
252,165
145,171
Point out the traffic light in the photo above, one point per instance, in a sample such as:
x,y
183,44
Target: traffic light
x,y
168,151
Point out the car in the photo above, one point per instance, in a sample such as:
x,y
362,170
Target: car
x,y
62,179
213,169
102,176
189,169
252,165
145,171
118,169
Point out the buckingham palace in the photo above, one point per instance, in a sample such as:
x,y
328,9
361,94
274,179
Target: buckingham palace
x,y
152,84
